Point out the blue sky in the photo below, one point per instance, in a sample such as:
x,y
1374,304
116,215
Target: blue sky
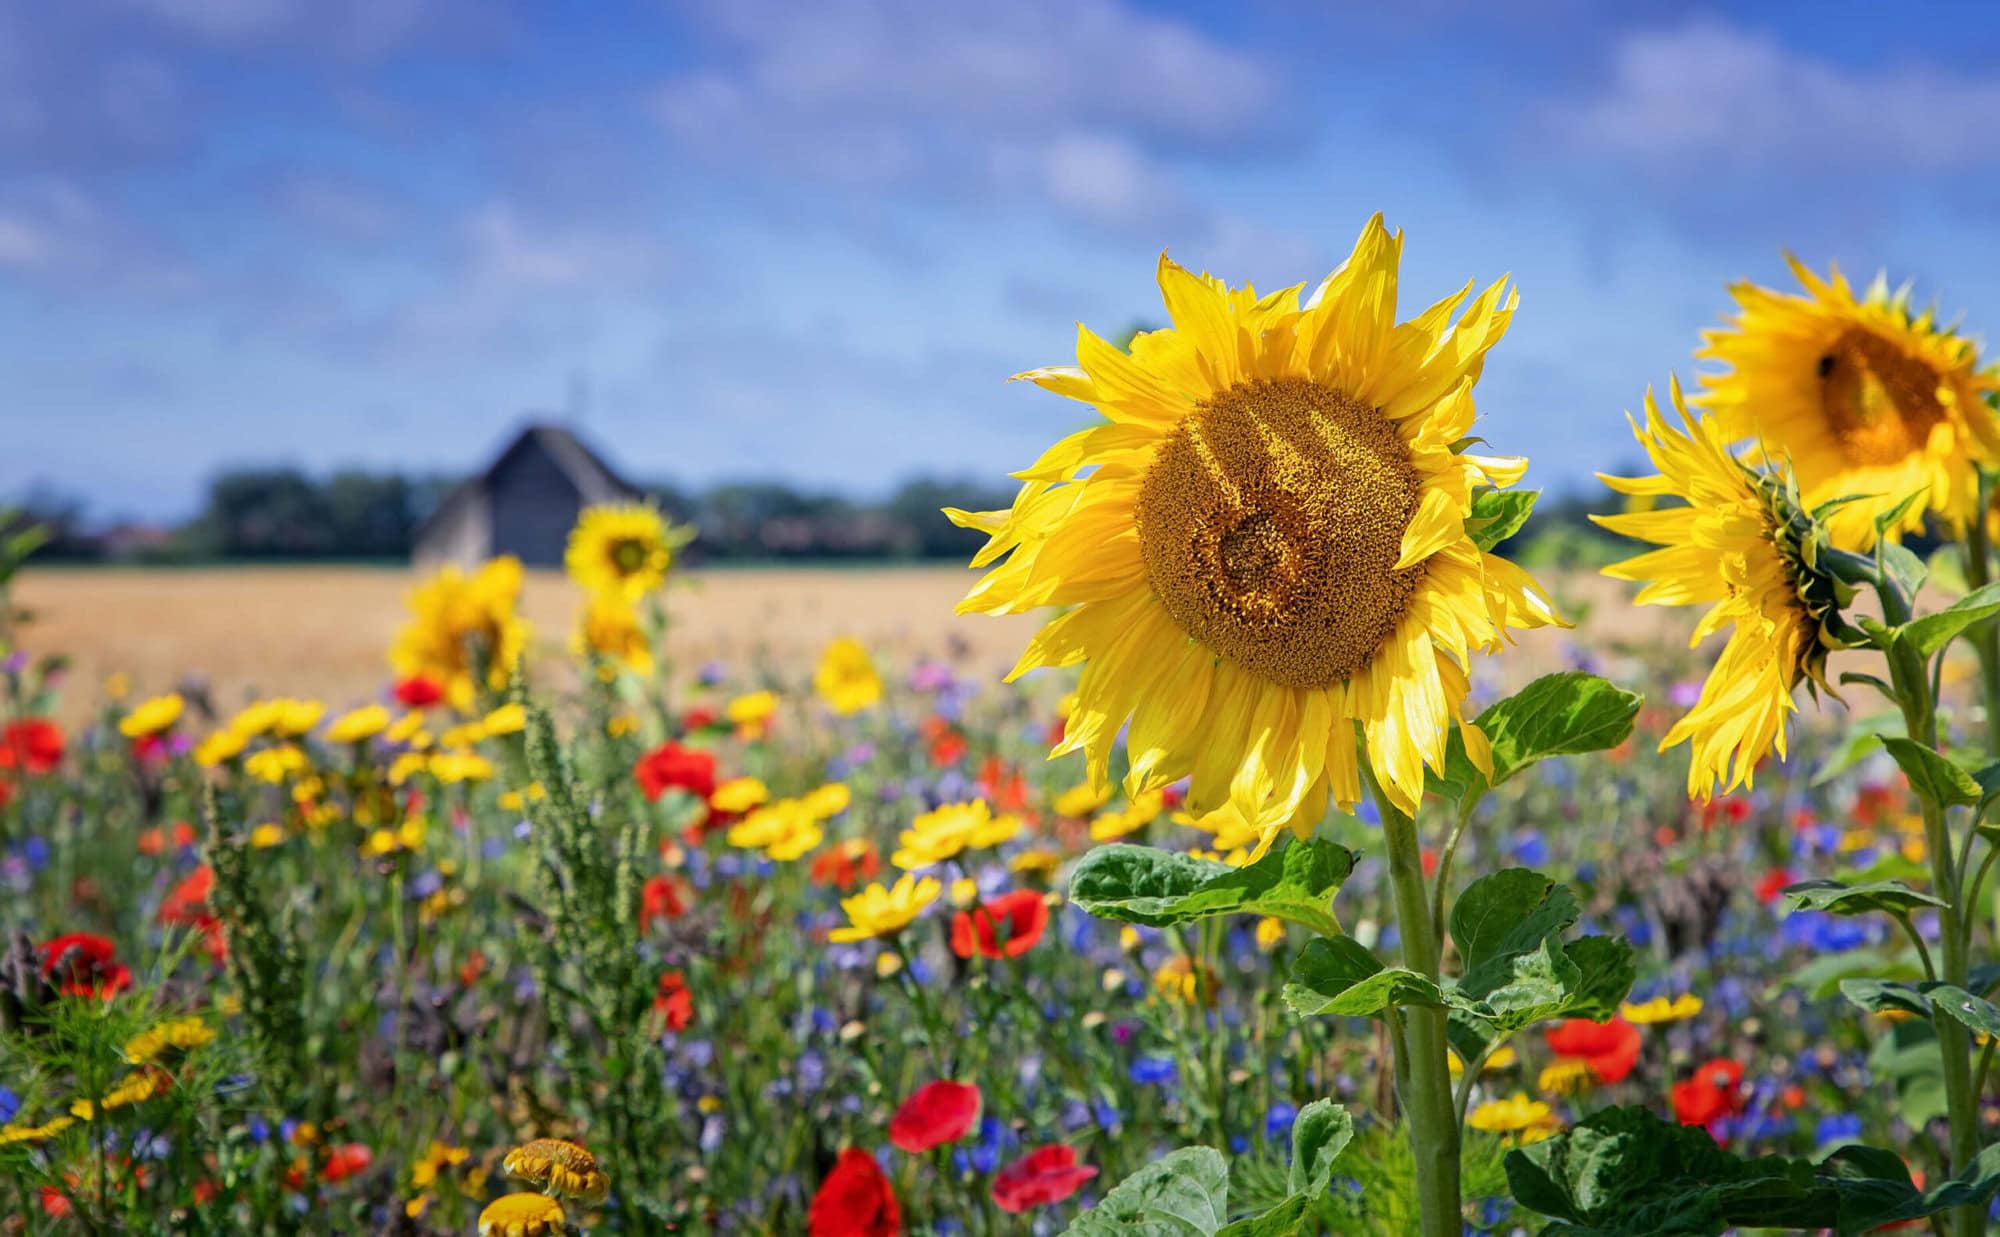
x,y
812,240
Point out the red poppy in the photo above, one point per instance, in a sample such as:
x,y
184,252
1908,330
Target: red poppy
x,y
659,898
55,1203
6,792
33,745
847,864
1006,789
1610,1049
344,1161
418,692
671,766
1003,927
1045,1175
700,717
81,964
673,1002
935,1114
854,1201
186,904
1710,1094
1773,884
155,840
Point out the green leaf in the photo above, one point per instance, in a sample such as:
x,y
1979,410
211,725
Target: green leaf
x,y
1557,715
1904,568
1876,1200
1287,1219
1141,884
1976,1012
1337,975
1184,1193
1498,515
1320,1133
1879,996
1933,631
1507,912
1606,970
1822,895
1931,774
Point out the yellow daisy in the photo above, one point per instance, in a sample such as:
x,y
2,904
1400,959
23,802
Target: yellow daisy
x,y
185,1034
621,551
152,717
1522,1119
522,1215
358,725
559,1167
1864,396
943,832
1737,545
222,746
845,677
1268,540
876,911
1661,1010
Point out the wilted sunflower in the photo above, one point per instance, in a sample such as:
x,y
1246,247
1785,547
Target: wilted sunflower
x,y
1739,544
622,550
463,628
1269,540
1866,397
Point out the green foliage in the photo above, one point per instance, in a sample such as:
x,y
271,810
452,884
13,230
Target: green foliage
x,y
1186,1192
1337,975
1623,1172
1146,885
1931,774
1498,515
1837,898
1556,715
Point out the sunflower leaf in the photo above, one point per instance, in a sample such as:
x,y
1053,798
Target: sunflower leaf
x,y
1337,975
1879,996
1508,911
1556,715
1498,515
1975,1012
1933,631
1184,1193
1931,774
1159,888
1895,897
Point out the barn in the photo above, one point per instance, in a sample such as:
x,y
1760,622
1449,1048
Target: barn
x,y
524,504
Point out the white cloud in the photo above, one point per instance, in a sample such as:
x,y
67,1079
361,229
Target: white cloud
x,y
1074,103
1708,94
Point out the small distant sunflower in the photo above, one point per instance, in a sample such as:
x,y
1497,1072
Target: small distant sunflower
x,y
464,631
1865,396
609,627
1269,539
559,1167
1739,544
620,551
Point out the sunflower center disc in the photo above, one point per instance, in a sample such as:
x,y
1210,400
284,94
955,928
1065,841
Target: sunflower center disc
x,y
1271,520
629,556
1880,402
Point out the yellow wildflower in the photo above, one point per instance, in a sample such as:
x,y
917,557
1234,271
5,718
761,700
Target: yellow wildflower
x,y
559,1167
1660,1010
358,725
185,1034
154,716
845,677
876,911
522,1215
938,835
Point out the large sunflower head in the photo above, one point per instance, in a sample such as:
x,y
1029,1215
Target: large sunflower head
x,y
1868,398
621,550
1740,542
1265,547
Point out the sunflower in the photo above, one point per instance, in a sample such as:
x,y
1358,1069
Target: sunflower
x,y
1866,397
464,631
621,551
609,628
1268,541
1738,544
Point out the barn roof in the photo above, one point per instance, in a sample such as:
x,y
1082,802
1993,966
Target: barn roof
x,y
594,479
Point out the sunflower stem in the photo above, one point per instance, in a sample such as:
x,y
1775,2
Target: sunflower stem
x,y
1912,682
1423,1073
1985,636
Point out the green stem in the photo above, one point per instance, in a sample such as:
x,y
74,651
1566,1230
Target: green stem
x,y
1985,636
1913,689
1423,1072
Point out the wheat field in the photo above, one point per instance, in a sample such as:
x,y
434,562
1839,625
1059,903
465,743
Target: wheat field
x,y
322,631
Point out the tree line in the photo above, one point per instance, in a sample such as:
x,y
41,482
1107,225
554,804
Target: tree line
x,y
287,514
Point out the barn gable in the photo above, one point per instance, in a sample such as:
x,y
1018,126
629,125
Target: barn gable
x,y
524,504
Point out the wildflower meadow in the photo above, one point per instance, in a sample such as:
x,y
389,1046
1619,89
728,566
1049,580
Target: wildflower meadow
x,y
1275,890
